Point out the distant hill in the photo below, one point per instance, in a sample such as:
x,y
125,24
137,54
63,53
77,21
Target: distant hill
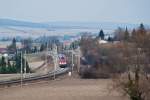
x,y
14,28
67,25
97,25
16,23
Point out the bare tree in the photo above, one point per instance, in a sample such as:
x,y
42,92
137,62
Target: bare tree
x,y
135,82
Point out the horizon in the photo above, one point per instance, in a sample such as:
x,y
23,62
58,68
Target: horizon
x,y
74,22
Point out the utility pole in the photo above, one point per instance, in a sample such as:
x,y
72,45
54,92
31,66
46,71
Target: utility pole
x,y
25,65
21,72
78,60
47,57
55,59
72,61
46,53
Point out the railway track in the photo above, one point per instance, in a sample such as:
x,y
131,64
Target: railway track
x,y
49,75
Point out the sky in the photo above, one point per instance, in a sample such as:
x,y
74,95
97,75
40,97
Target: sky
x,y
126,11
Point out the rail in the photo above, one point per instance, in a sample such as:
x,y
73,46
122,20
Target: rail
x,y
31,78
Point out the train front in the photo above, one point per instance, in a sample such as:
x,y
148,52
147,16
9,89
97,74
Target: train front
x,y
62,61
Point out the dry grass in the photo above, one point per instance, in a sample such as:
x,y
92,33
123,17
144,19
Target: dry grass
x,y
63,89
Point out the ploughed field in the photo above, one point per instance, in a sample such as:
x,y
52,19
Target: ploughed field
x,y
63,89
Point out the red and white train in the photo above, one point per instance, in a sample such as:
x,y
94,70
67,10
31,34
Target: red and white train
x,y
62,60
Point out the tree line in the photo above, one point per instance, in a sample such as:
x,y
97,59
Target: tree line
x,y
8,66
127,61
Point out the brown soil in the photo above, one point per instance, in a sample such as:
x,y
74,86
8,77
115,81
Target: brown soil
x,y
63,89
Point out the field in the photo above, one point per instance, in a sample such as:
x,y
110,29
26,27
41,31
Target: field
x,y
63,89
37,32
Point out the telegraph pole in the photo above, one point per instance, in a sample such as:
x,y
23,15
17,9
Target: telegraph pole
x,y
46,57
46,53
21,70
72,61
55,59
78,60
25,65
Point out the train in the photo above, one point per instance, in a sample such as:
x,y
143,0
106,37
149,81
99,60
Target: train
x,y
62,60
